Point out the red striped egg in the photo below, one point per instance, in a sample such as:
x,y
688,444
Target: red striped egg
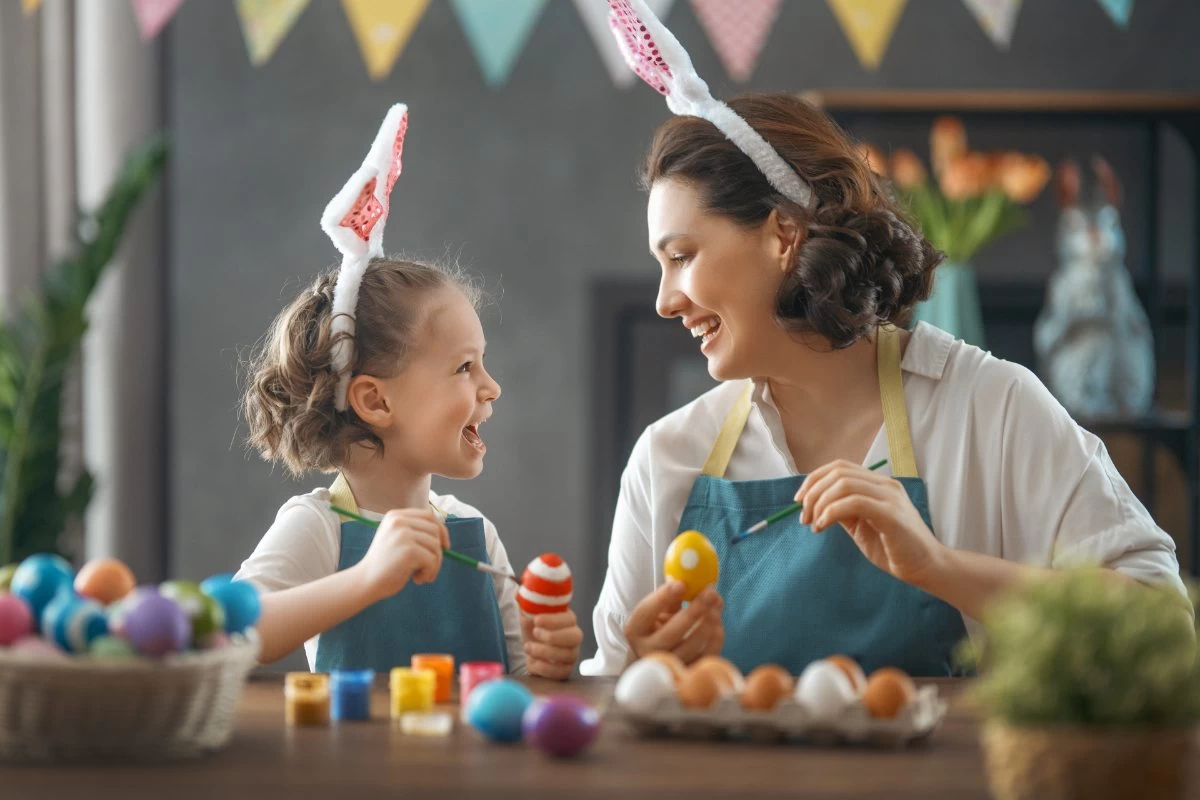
x,y
546,586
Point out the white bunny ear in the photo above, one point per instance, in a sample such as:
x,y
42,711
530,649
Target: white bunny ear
x,y
355,219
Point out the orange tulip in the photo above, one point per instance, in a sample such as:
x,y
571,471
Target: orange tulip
x,y
907,169
875,159
947,142
1022,177
969,175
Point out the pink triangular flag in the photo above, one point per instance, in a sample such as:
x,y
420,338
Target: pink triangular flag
x,y
153,15
738,30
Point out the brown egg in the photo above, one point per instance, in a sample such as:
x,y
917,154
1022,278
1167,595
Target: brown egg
x,y
700,688
724,670
853,671
889,690
105,580
765,687
672,661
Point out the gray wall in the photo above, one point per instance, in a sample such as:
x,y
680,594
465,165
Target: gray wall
x,y
531,186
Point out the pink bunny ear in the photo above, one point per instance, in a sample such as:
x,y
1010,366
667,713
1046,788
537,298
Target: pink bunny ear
x,y
397,152
365,212
638,46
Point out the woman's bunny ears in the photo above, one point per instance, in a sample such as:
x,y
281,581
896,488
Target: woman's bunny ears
x,y
659,59
354,220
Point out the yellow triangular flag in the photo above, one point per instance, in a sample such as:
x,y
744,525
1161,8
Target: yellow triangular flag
x,y
869,25
30,6
382,28
265,23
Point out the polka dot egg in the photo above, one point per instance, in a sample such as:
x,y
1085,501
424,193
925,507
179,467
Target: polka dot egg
x,y
691,559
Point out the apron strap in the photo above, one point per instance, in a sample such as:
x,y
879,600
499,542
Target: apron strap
x,y
731,431
895,410
340,495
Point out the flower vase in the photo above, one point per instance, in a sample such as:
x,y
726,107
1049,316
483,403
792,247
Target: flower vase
x,y
953,305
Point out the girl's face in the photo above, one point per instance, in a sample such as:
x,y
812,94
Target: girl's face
x,y
442,395
720,278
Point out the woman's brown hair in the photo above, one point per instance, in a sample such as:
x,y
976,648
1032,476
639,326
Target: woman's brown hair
x,y
289,398
861,262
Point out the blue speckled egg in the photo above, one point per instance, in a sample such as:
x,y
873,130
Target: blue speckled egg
x,y
495,709
38,580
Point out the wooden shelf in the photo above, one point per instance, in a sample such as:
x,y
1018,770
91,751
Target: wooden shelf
x,y
994,100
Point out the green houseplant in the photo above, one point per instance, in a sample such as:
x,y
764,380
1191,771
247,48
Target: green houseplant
x,y
1090,687
37,347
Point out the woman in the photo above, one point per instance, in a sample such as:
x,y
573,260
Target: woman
x,y
799,309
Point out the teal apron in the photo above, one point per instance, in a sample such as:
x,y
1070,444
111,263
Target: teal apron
x,y
793,596
456,614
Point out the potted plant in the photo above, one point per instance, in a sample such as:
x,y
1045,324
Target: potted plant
x,y
1090,687
971,199
37,346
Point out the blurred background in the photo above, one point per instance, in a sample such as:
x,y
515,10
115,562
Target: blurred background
x,y
520,164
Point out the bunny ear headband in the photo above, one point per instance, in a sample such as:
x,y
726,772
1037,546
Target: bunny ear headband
x,y
354,220
659,59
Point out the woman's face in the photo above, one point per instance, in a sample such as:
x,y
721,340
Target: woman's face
x,y
719,278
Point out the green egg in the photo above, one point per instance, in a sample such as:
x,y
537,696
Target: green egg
x,y
206,614
111,647
6,574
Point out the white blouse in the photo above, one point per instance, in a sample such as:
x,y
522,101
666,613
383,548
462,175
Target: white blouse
x,y
1009,472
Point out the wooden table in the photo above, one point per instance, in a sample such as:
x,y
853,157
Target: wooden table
x,y
359,761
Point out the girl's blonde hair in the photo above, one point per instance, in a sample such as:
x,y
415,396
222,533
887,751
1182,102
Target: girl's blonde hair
x,y
289,397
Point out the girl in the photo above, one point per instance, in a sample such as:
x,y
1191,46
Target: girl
x,y
376,372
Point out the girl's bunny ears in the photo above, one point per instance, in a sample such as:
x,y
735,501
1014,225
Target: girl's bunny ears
x,y
354,220
659,59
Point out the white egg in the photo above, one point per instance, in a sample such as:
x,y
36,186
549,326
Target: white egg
x,y
824,691
643,685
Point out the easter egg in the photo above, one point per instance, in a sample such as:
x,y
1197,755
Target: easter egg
x,y
691,559
38,579
889,691
105,580
238,599
111,648
153,624
496,708
73,622
6,575
546,586
16,620
824,691
765,687
645,684
853,671
220,579
206,615
36,647
560,725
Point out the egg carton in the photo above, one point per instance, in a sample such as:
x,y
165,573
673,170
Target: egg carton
x,y
789,721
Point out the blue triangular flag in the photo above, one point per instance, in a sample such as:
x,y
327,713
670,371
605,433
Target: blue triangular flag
x,y
1119,10
497,31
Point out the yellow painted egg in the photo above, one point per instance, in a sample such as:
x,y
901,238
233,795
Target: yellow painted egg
x,y
691,559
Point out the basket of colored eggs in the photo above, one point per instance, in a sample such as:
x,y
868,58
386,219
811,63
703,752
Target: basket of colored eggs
x,y
831,702
92,666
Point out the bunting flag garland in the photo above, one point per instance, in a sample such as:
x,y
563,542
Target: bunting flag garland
x,y
265,23
869,25
998,18
497,32
1119,10
383,28
738,29
153,15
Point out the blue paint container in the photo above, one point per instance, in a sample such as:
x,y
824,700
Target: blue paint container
x,y
350,694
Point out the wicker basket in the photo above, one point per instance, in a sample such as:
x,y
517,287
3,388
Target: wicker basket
x,y
1056,763
81,708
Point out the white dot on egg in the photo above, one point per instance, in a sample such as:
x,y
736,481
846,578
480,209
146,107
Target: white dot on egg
x,y
689,559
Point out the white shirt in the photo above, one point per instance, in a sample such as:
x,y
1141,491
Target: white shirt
x,y
1010,474
304,545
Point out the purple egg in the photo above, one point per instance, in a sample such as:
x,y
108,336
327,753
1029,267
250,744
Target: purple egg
x,y
560,725
153,624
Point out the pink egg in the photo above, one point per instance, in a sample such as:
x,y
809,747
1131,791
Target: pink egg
x,y
37,647
16,620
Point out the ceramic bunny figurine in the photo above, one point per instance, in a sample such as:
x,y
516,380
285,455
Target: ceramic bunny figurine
x,y
1093,341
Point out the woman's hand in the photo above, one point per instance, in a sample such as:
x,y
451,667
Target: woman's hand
x,y
659,623
551,644
879,516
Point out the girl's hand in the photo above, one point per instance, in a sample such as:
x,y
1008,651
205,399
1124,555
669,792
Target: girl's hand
x,y
407,545
877,513
659,623
551,644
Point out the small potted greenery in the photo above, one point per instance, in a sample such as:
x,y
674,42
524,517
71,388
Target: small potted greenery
x,y
1090,687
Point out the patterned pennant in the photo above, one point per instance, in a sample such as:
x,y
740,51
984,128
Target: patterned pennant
x,y
998,18
153,15
738,30
265,23
1119,10
594,14
869,25
497,31
383,28
30,6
